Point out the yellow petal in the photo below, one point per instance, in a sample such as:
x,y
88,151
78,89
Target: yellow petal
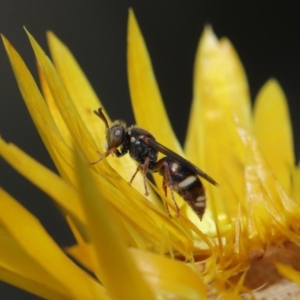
x,y
174,279
272,128
220,83
73,120
79,89
220,95
59,151
61,125
32,96
14,266
296,183
147,103
35,241
81,251
59,190
168,278
288,272
271,214
110,253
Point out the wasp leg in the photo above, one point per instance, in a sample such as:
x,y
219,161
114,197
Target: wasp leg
x,y
105,154
168,182
164,186
145,170
133,176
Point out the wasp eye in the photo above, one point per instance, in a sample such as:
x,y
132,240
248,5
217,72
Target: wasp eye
x,y
115,136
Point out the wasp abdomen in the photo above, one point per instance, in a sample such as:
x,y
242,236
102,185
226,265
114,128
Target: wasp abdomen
x,y
194,195
184,182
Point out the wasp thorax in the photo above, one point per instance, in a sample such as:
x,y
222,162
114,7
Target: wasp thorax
x,y
115,136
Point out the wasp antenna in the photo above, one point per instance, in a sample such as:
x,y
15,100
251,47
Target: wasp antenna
x,y
100,114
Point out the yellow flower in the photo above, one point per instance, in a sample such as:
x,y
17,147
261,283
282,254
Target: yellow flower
x,y
127,240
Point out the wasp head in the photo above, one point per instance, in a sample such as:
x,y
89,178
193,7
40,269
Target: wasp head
x,y
115,136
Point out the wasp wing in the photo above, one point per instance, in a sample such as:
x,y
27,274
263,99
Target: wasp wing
x,y
161,148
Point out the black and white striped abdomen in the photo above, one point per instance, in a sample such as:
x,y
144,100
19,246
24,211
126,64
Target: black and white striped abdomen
x,y
192,191
186,183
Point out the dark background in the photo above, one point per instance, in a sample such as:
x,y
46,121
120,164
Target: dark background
x,y
265,34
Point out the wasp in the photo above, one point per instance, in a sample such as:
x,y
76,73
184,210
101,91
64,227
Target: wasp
x,y
178,174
